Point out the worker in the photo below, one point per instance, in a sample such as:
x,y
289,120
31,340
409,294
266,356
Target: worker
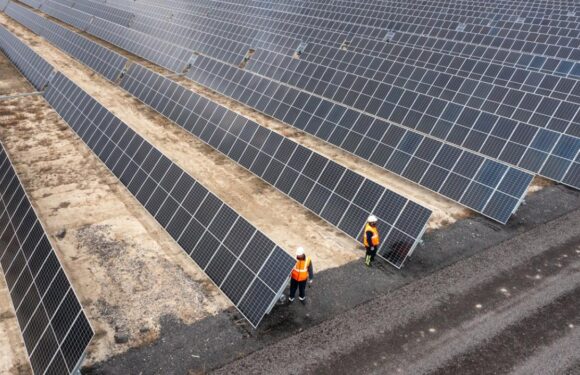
x,y
371,239
301,274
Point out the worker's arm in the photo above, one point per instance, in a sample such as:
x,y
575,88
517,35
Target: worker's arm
x,y
369,235
310,271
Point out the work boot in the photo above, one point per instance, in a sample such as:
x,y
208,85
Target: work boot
x,y
368,260
290,300
302,300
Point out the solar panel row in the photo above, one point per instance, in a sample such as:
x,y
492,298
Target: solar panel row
x,y
102,60
115,15
170,56
247,22
506,75
54,327
281,165
497,137
63,12
461,184
363,15
373,16
343,198
402,221
352,12
247,266
491,188
507,139
37,70
375,24
165,54
32,3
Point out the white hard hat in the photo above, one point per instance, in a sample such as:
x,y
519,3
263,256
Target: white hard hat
x,y
299,251
372,219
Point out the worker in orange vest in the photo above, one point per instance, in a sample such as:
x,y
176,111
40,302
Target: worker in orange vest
x,y
371,239
301,274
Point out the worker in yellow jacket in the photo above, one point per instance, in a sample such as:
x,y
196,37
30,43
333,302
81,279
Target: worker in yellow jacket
x,y
301,274
371,239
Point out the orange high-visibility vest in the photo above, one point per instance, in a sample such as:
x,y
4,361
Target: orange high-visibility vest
x,y
375,239
300,271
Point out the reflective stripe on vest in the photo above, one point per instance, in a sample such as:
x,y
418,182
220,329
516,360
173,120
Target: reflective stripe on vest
x,y
375,239
300,271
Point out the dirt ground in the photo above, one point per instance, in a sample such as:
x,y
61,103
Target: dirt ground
x,y
512,308
12,82
127,272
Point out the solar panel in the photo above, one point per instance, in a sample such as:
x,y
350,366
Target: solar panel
x,y
506,149
265,28
518,128
396,164
331,209
102,60
390,66
25,59
249,268
32,3
3,4
73,17
417,171
436,165
103,11
165,54
338,195
524,59
25,17
54,327
206,28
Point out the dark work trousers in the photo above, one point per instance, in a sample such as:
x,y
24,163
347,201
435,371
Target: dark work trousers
x,y
301,285
371,252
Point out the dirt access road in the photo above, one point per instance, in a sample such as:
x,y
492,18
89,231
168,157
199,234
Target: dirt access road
x,y
388,313
511,309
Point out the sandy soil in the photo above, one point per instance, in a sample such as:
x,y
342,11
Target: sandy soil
x,y
127,272
11,82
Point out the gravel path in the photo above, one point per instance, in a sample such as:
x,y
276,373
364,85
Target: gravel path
x,y
503,309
